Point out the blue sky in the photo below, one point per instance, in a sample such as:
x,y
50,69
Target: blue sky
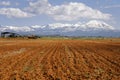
x,y
41,12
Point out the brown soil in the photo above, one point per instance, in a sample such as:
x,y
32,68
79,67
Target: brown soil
x,y
60,59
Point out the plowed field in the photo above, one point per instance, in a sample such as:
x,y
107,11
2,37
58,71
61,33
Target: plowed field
x,y
59,59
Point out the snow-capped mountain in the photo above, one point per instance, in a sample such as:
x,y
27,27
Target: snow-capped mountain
x,y
91,28
98,25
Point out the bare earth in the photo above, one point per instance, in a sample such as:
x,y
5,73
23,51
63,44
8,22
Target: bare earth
x,y
59,59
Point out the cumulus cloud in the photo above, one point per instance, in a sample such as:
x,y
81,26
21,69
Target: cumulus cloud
x,y
14,12
74,11
39,7
5,3
66,12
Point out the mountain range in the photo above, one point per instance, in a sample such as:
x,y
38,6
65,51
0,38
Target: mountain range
x,y
90,28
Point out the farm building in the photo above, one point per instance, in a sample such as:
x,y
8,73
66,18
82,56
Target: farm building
x,y
9,34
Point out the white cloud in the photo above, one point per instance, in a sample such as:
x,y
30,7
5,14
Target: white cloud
x,y
40,7
5,3
14,12
73,11
66,12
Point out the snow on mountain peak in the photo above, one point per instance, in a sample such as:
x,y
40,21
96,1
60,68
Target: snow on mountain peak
x,y
98,24
37,26
91,25
16,29
58,25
